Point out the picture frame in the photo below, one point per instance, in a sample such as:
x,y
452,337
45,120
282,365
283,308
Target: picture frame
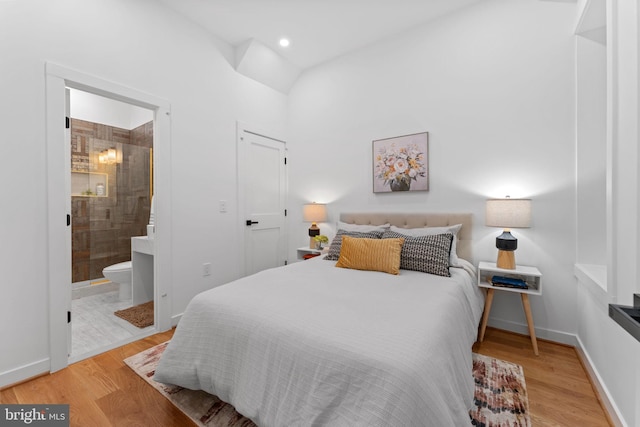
x,y
401,163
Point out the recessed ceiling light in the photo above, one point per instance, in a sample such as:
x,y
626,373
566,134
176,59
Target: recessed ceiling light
x,y
284,42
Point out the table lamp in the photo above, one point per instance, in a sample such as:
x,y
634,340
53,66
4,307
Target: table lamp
x,y
507,213
314,213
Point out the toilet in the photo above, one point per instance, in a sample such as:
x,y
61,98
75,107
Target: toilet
x,y
120,273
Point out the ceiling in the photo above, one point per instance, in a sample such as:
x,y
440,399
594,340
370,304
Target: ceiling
x,y
319,30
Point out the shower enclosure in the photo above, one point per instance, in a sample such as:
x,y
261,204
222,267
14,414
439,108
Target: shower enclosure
x,y
111,188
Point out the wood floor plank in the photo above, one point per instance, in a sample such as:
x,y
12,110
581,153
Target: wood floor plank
x,y
90,415
8,397
104,391
560,391
96,379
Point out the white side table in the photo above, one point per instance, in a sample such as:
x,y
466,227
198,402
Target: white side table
x,y
305,250
531,275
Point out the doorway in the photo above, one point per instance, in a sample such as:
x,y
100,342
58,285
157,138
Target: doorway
x,y
59,160
262,181
111,144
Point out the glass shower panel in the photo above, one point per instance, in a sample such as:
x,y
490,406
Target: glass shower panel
x,y
103,224
92,182
80,193
131,212
111,194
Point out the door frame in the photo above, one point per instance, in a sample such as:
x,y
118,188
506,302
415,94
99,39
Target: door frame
x,y
59,200
241,129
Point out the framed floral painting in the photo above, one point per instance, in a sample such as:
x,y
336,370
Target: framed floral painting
x,y
401,163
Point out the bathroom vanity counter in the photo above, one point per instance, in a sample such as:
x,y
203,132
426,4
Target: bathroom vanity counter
x,y
142,244
142,249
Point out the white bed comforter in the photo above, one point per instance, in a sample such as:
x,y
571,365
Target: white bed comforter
x,y
312,344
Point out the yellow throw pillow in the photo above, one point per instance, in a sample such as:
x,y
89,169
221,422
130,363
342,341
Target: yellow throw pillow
x,y
371,254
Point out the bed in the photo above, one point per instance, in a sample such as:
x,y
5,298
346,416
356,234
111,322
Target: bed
x,y
313,344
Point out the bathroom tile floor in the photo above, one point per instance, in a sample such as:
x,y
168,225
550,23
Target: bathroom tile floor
x,y
94,326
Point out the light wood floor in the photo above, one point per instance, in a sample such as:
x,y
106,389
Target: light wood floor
x,y
560,392
103,391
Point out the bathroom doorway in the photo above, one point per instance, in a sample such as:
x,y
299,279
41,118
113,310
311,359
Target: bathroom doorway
x,y
58,80
111,151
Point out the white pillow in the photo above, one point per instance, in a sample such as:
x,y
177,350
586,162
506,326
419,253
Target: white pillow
x,y
362,228
467,266
428,231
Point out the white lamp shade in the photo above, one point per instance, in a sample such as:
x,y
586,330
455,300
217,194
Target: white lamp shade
x,y
508,213
314,212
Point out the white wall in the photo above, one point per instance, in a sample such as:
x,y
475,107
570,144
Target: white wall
x,y
144,46
98,109
495,90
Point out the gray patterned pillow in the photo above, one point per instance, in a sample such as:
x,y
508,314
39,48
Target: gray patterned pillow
x,y
336,244
428,254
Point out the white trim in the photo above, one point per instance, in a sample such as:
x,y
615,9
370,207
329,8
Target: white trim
x,y
594,279
523,329
240,205
603,392
88,83
163,257
57,79
260,130
175,319
612,135
24,372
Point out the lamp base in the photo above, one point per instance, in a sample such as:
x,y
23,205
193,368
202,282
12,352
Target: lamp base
x,y
314,231
506,260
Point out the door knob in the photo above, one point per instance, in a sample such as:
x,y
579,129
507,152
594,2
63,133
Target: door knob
x,y
250,223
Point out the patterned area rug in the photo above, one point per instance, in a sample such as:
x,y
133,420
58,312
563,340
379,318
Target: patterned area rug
x,y
500,396
140,315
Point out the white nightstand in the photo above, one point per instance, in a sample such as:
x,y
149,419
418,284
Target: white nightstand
x,y
530,275
305,250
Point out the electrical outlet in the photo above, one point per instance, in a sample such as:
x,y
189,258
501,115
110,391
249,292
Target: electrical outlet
x,y
206,269
222,206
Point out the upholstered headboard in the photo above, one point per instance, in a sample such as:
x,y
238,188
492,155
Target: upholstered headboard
x,y
417,220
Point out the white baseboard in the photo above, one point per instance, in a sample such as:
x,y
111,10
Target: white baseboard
x,y
24,372
175,319
547,334
40,367
574,341
603,391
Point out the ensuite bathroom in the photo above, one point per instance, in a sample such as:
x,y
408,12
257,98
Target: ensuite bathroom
x,y
111,156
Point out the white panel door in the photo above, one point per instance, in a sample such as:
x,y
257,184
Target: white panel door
x,y
262,180
67,153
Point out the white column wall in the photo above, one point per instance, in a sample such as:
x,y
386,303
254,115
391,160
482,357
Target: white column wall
x,y
612,351
591,151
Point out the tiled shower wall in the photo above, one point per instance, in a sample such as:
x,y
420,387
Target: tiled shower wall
x,y
102,227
